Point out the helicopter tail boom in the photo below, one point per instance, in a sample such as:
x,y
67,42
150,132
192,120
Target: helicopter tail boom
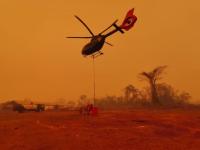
x,y
118,28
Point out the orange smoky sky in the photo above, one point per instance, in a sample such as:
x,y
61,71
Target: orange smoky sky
x,y
37,62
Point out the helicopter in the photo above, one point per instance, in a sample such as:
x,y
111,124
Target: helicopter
x,y
93,48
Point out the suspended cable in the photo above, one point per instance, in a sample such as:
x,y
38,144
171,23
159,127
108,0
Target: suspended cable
x,y
94,80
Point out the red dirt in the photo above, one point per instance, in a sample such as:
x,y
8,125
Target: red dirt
x,y
109,130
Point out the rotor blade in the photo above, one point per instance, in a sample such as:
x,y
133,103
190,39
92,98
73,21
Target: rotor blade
x,y
79,37
108,43
84,25
108,27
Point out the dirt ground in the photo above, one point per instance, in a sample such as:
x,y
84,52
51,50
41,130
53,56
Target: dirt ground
x,y
110,130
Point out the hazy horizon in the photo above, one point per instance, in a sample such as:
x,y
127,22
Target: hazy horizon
x,y
37,62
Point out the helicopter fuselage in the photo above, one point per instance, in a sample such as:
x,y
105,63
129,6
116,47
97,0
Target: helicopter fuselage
x,y
94,45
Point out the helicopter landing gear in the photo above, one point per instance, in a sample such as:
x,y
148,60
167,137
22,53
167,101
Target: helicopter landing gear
x,y
95,55
101,53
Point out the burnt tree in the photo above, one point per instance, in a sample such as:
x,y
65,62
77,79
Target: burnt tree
x,y
152,77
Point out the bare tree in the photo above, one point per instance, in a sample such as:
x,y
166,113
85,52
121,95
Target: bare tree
x,y
170,96
130,92
152,77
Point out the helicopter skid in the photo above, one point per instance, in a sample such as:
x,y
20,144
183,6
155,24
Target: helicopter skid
x,y
97,54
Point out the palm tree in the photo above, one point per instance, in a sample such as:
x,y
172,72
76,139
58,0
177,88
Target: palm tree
x,y
152,77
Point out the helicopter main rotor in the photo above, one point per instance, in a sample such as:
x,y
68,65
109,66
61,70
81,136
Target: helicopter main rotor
x,y
90,31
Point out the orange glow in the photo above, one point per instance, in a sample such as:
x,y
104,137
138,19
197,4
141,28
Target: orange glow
x,y
37,62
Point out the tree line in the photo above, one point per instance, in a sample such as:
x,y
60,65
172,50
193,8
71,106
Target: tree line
x,y
155,94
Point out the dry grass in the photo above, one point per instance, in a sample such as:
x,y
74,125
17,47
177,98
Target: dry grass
x,y
110,130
